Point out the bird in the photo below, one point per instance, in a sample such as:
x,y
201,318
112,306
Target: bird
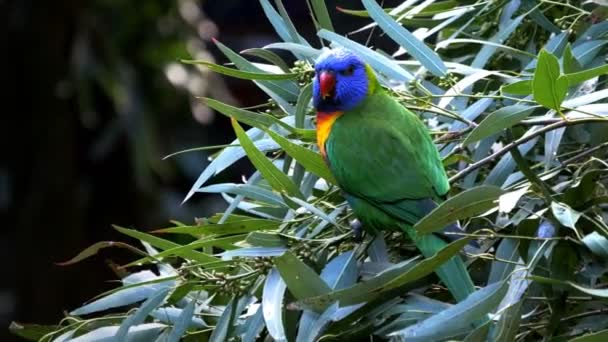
x,y
382,157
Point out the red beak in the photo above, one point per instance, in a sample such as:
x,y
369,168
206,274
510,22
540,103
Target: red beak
x,y
327,82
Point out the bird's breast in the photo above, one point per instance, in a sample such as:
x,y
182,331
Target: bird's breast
x,y
325,121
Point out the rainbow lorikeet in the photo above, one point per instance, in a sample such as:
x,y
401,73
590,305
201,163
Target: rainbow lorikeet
x,y
382,156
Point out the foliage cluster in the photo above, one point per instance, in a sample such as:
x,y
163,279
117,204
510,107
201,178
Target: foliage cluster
x,y
513,93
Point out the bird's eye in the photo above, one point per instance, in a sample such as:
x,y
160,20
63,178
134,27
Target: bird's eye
x,y
348,71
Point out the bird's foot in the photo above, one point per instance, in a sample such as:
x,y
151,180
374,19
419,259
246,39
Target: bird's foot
x,y
357,228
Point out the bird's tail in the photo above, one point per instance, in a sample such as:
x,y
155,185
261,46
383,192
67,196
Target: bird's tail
x,y
452,273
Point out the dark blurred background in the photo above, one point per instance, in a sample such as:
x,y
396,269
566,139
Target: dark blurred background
x,y
94,98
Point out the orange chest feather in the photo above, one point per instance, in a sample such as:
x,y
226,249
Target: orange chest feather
x,y
324,123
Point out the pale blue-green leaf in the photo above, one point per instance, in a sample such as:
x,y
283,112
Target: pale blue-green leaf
x,y
552,141
538,16
481,151
593,32
314,210
141,313
281,27
508,324
296,49
377,250
483,56
254,325
250,191
555,45
564,214
414,309
128,295
507,255
341,271
379,62
458,319
272,305
253,252
253,208
229,156
224,326
598,244
506,165
507,13
427,57
170,315
183,322
65,337
587,51
140,333
581,101
321,323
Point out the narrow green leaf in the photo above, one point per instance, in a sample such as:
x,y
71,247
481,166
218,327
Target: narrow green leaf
x,y
268,56
279,181
518,88
320,10
302,281
390,279
246,75
430,10
166,244
312,161
286,91
95,248
258,120
503,118
427,57
582,76
603,293
599,336
31,332
228,228
264,239
224,243
296,49
302,105
549,88
466,204
569,62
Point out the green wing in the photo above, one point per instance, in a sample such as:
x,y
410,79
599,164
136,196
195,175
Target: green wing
x,y
382,152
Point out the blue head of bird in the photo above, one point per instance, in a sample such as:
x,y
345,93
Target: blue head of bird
x,y
341,81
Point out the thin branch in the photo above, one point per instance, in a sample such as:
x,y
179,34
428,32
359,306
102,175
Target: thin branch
x,y
518,142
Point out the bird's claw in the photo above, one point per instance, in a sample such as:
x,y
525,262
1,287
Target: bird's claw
x,y
357,228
